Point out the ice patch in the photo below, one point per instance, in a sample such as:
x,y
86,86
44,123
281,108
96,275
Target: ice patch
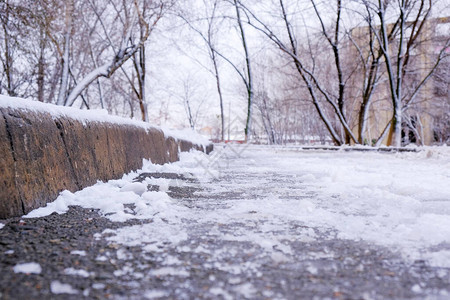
x,y
28,268
57,287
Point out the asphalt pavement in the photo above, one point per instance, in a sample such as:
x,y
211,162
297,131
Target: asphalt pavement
x,y
217,260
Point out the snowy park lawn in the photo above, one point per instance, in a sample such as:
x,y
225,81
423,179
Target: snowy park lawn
x,y
398,200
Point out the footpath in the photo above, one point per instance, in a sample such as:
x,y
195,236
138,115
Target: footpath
x,y
240,224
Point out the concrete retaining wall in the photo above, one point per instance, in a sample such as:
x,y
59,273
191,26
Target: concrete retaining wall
x,y
42,155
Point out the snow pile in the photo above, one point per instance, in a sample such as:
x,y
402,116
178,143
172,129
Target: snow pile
x,y
186,134
28,268
114,198
95,115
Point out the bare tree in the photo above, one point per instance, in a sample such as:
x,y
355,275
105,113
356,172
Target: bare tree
x,y
315,87
132,19
329,84
409,28
192,99
65,60
248,80
15,79
208,34
139,63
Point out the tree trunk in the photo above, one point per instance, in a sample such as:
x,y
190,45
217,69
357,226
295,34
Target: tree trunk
x,y
249,83
219,91
140,70
41,65
65,59
8,62
394,85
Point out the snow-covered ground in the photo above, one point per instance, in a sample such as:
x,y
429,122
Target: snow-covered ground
x,y
399,200
254,205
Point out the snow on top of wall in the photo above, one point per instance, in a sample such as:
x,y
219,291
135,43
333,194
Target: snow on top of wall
x,y
95,115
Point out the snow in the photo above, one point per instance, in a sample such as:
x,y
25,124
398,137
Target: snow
x,y
57,287
101,258
217,291
95,115
110,197
416,288
91,76
169,271
397,200
78,252
2,225
76,272
98,286
155,294
136,187
28,268
246,289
